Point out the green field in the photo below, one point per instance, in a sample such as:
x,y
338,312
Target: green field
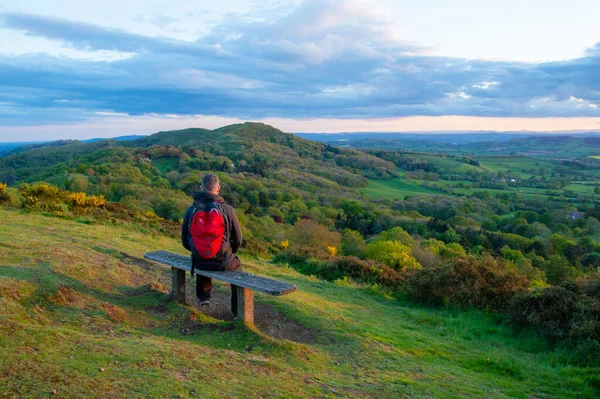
x,y
400,187
513,164
396,189
83,315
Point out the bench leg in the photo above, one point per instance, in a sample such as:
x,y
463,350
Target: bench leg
x,y
178,284
242,303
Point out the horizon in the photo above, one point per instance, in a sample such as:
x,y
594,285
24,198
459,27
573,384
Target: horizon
x,y
413,133
104,70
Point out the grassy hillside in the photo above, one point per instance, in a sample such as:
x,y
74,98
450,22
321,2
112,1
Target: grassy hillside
x,y
82,314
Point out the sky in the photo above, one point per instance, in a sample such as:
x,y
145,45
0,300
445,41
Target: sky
x,y
82,69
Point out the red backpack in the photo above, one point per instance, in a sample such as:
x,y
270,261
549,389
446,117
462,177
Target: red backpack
x,y
208,236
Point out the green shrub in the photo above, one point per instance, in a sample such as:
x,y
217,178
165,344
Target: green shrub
x,y
560,313
333,268
367,271
255,246
590,285
470,281
295,255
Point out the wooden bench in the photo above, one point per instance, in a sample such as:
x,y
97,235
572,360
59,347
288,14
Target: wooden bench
x,y
243,284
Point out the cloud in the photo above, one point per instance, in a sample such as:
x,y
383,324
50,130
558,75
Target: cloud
x,y
319,59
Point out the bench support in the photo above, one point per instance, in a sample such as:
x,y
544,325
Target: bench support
x,y
178,284
242,303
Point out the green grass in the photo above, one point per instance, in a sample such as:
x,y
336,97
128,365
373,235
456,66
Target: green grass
x,y
78,317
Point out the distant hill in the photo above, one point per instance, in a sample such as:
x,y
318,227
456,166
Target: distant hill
x,y
12,147
458,138
119,138
6,147
570,145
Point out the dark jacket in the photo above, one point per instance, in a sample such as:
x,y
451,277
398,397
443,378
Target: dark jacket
x,y
233,228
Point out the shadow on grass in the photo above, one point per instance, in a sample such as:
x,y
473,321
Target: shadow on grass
x,y
155,310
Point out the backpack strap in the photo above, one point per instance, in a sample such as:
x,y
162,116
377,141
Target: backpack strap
x,y
226,234
195,205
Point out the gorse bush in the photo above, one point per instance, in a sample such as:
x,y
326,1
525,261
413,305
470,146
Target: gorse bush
x,y
364,270
333,268
560,313
84,200
4,197
43,196
479,282
81,203
49,198
295,255
566,315
255,246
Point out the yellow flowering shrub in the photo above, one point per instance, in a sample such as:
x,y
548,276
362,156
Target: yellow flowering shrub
x,y
42,196
3,194
83,203
332,251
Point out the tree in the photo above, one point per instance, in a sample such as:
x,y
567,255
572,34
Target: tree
x,y
449,236
537,229
452,251
512,255
393,254
397,234
558,269
435,246
353,244
353,207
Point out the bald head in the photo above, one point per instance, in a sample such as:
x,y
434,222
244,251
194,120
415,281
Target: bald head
x,y
210,183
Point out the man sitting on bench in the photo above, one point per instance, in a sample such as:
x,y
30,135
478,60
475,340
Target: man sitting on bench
x,y
211,231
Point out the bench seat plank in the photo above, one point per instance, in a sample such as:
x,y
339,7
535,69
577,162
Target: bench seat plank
x,y
241,279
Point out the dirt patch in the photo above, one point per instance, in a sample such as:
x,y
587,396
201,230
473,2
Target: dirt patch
x,y
67,296
116,314
266,318
135,261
